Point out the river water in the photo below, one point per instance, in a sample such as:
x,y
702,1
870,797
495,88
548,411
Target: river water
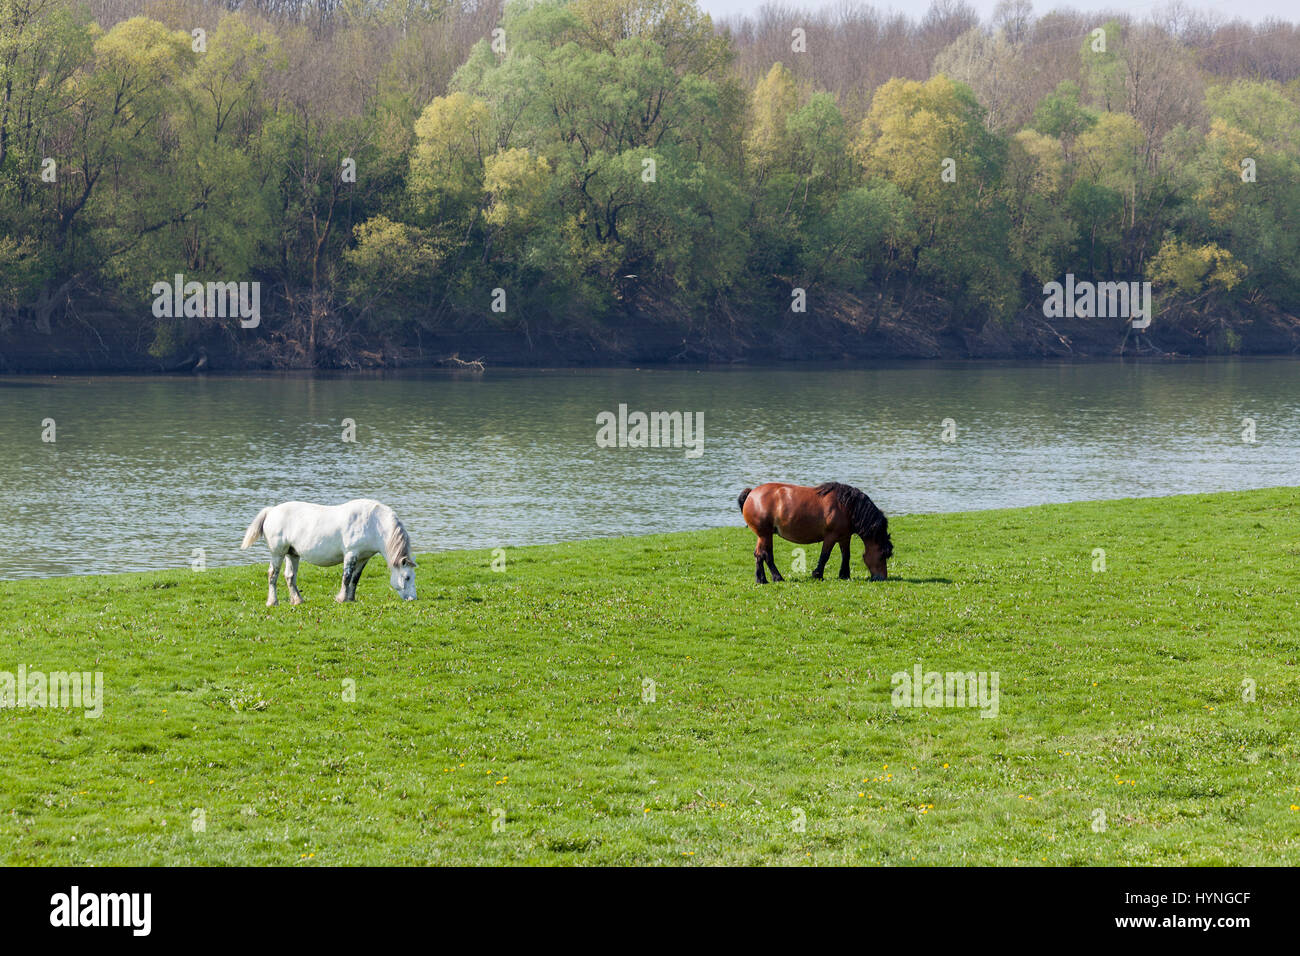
x,y
143,471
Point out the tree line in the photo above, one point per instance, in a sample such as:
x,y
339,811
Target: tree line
x,y
387,169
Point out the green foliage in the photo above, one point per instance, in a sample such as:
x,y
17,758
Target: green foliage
x,y
394,263
21,270
1246,183
1040,232
1105,67
864,236
929,139
600,159
1192,269
1061,114
772,106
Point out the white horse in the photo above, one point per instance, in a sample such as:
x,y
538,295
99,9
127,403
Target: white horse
x,y
324,535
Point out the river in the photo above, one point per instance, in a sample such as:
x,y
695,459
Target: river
x,y
144,471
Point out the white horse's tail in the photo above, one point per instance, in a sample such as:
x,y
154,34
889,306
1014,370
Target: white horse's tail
x,y
255,529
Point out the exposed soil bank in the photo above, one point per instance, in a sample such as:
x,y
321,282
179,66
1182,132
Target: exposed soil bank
x,y
844,328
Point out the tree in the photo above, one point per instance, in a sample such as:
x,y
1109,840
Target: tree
x,y
867,238
1194,269
102,206
1041,234
929,139
989,64
767,144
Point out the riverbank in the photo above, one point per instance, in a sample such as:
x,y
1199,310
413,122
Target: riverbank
x,y
641,700
837,327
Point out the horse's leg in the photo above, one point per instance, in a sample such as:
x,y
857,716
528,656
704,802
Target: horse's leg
x,y
771,561
346,592
844,558
271,577
827,547
291,578
356,577
763,555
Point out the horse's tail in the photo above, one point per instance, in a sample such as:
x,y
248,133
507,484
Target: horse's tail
x,y
743,495
255,529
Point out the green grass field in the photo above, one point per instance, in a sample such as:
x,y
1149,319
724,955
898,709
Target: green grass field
x,y
522,691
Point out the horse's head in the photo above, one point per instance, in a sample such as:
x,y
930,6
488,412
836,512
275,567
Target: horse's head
x,y
402,577
867,521
879,549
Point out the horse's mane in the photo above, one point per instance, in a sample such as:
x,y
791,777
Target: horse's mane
x,y
866,519
397,544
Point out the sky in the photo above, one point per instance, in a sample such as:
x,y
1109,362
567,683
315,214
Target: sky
x,y
1251,10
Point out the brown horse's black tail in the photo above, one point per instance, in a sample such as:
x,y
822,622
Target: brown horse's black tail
x,y
743,495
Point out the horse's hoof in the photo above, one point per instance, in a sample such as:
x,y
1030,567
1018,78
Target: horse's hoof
x,y
340,598
272,603
296,599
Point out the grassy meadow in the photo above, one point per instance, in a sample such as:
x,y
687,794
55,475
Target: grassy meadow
x,y
503,717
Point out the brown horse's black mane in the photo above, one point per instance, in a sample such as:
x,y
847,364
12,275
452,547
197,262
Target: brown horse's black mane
x,y
867,520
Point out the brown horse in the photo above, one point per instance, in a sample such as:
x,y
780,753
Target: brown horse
x,y
831,513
